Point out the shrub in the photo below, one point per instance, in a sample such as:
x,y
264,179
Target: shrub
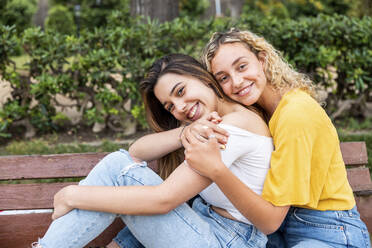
x,y
101,69
61,20
18,13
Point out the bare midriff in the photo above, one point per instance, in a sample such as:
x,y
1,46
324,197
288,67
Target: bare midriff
x,y
223,212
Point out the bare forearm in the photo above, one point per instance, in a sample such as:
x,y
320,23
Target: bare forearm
x,y
156,145
264,215
131,200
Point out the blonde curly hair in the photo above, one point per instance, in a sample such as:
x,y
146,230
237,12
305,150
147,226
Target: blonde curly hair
x,y
279,73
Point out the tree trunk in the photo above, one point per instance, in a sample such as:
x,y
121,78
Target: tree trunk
x,y
235,7
163,10
41,14
232,8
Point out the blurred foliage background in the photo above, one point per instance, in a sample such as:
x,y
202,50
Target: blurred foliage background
x,y
88,56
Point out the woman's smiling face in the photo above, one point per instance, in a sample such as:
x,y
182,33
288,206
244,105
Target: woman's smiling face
x,y
185,97
239,72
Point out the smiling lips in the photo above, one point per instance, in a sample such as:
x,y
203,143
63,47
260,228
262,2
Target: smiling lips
x,y
244,91
192,114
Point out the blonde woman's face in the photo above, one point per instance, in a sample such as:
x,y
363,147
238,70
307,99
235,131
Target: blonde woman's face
x,y
185,97
239,72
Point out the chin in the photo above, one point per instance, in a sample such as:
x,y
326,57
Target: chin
x,y
247,101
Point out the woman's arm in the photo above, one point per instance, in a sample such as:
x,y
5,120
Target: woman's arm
x,y
260,212
156,145
264,215
179,187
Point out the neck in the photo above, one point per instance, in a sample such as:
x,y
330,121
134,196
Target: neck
x,y
270,99
226,107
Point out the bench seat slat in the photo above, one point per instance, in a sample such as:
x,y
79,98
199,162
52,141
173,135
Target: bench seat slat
x,y
48,166
22,230
29,196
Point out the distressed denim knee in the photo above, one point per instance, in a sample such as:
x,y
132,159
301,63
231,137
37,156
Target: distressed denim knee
x,y
107,170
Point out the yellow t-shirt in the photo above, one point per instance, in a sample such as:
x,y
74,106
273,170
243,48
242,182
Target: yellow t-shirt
x,y
307,169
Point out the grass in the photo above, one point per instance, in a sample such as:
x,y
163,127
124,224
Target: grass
x,y
41,146
21,61
352,124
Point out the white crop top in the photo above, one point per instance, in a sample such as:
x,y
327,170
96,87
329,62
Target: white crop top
x,y
247,155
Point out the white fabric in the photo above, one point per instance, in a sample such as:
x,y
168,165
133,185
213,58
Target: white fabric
x,y
247,155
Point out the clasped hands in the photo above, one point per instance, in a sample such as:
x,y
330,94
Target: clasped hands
x,y
203,140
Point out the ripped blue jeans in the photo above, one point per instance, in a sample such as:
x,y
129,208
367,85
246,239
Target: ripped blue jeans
x,y
182,227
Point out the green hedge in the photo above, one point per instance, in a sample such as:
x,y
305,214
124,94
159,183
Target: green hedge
x,y
61,20
101,69
17,12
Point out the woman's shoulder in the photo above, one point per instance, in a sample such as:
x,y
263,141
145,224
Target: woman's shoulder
x,y
247,120
298,110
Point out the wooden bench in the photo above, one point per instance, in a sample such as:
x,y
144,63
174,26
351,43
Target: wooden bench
x,y
34,199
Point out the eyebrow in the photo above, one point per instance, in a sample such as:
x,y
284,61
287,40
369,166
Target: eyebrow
x,y
171,92
233,63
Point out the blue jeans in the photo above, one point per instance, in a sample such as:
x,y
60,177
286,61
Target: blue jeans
x,y
313,228
182,227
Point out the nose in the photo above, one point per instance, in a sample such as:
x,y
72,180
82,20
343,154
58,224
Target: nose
x,y
180,106
237,80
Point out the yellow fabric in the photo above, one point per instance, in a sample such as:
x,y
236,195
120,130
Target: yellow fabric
x,y
307,169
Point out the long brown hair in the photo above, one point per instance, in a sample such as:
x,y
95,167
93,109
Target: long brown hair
x,y
158,117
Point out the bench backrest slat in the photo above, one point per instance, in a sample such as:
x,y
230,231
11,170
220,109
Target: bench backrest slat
x,y
48,166
354,153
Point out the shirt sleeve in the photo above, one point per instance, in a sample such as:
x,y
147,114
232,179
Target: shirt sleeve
x,y
236,146
288,179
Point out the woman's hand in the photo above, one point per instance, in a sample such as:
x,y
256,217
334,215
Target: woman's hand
x,y
202,128
61,206
204,156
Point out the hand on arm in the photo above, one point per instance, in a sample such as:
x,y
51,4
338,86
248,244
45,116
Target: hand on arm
x,y
199,153
202,128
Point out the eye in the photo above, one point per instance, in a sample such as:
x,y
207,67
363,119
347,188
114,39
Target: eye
x,y
180,91
242,66
223,79
170,107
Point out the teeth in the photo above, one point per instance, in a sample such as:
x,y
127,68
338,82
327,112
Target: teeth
x,y
192,112
246,89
